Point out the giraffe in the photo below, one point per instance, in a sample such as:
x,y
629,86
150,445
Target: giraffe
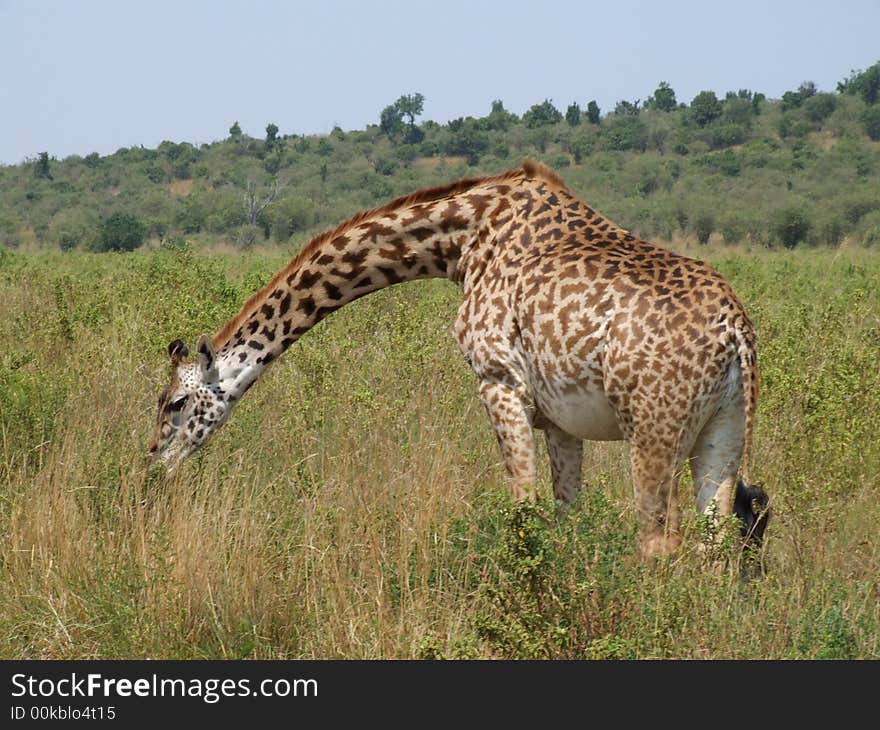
x,y
572,326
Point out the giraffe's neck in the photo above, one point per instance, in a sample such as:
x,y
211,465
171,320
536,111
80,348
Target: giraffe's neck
x,y
436,234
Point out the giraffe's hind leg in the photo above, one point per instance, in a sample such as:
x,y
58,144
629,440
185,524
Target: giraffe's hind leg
x,y
656,468
715,458
566,458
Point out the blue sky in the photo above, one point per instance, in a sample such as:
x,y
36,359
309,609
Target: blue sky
x,y
93,75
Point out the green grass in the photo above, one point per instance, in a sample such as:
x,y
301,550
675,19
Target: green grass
x,y
354,505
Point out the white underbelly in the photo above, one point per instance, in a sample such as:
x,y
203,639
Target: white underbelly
x,y
584,413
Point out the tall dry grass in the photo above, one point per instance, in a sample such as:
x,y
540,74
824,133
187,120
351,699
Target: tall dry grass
x,y
354,505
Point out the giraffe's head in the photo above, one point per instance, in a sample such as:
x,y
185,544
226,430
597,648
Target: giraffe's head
x,y
192,407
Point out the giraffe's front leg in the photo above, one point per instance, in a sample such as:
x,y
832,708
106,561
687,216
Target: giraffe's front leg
x,y
566,460
509,416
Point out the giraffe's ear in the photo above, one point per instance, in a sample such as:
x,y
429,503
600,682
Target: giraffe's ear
x,y
207,358
177,351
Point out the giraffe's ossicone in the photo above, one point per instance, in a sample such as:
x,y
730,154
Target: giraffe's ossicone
x,y
571,324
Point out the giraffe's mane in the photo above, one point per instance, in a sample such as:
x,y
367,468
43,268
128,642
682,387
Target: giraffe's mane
x,y
533,169
427,195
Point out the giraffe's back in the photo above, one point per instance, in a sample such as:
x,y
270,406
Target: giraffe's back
x,y
619,331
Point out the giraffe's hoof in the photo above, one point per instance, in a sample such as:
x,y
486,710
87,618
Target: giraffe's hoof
x,y
660,545
524,493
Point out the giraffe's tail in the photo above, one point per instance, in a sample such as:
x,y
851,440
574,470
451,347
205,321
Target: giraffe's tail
x,y
748,363
751,502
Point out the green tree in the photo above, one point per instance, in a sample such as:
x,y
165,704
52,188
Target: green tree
x,y
41,166
238,137
820,107
871,121
271,135
580,147
121,232
705,108
573,114
324,149
791,226
863,83
181,156
542,114
154,171
391,120
499,118
290,215
757,101
790,100
176,151
725,135
807,89
745,94
625,133
407,154
411,106
791,124
467,139
593,113
737,110
663,99
627,108
72,227
275,160
540,137
794,99
704,225
385,166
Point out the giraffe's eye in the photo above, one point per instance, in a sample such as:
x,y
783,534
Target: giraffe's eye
x,y
176,405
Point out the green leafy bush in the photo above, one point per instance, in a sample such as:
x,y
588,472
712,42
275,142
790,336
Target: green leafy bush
x,y
622,133
791,226
819,107
704,225
726,135
542,114
546,584
120,232
871,121
705,108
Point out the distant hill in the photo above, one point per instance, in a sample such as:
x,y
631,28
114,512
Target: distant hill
x,y
800,170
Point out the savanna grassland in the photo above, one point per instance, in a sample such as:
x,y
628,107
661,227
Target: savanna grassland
x,y
354,505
